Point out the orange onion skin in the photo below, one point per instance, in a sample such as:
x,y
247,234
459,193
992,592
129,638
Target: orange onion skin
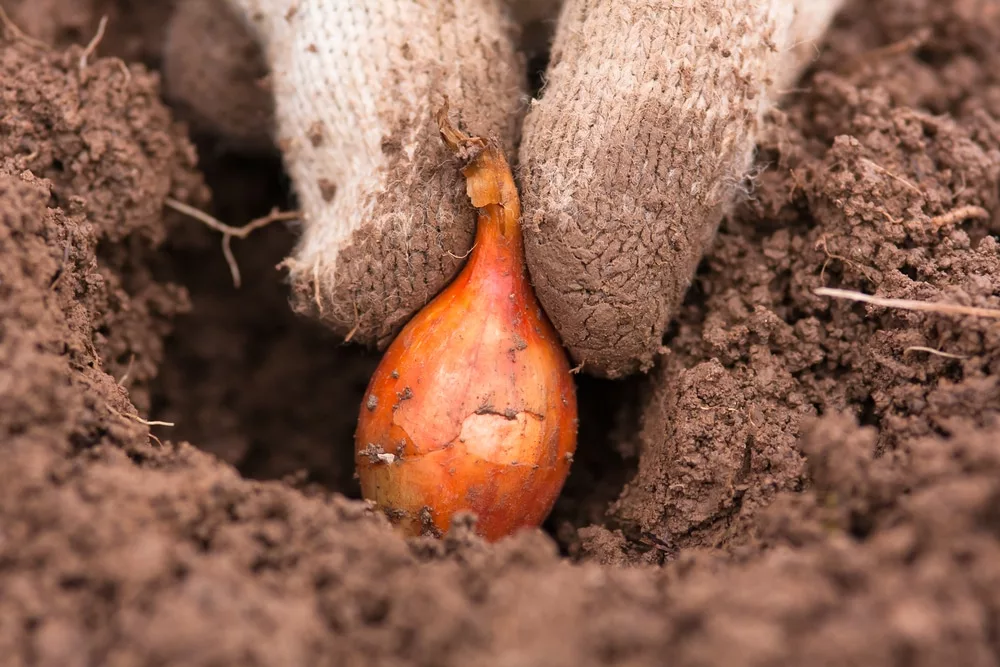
x,y
472,407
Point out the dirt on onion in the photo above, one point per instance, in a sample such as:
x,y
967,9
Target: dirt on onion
x,y
801,480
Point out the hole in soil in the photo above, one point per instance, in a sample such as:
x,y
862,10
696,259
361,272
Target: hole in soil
x,y
868,415
277,395
976,231
603,463
244,377
909,271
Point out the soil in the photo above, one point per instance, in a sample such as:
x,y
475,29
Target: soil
x,y
800,480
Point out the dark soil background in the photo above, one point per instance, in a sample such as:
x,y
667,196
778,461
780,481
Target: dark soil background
x,y
800,481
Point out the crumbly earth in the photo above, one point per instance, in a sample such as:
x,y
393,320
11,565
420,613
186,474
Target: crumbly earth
x,y
801,480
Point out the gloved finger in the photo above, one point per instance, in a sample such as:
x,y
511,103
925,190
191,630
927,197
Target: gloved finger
x,y
637,147
356,86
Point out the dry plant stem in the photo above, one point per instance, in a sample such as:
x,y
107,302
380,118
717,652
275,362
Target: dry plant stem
x,y
150,423
62,267
931,350
902,47
228,232
960,214
899,179
909,304
93,44
137,418
128,371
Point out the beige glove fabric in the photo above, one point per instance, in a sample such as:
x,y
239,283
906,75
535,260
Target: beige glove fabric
x,y
356,85
637,146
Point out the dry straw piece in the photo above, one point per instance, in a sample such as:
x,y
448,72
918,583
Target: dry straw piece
x,y
909,304
637,146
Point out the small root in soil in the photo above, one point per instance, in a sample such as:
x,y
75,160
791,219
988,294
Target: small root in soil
x,y
93,43
899,179
128,371
960,214
228,232
144,422
902,47
931,350
909,304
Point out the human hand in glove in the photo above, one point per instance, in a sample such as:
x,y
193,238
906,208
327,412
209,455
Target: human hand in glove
x,y
635,149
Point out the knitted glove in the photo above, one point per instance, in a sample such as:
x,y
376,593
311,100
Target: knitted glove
x,y
637,148
638,145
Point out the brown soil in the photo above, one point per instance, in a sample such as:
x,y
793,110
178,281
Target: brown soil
x,y
800,481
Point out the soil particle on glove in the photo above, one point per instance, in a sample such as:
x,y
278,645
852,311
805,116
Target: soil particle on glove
x,y
801,480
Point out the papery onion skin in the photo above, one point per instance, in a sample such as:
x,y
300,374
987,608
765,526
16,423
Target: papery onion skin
x,y
473,406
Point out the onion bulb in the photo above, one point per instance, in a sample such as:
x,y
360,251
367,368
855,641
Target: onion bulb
x,y
472,408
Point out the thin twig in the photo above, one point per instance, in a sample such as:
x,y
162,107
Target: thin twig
x,y
357,323
959,214
228,232
126,72
149,423
902,47
893,176
137,418
454,256
128,371
92,45
227,252
909,304
18,33
931,350
861,268
62,267
238,232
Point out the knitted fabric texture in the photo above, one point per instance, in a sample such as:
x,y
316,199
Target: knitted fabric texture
x,y
356,86
640,142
